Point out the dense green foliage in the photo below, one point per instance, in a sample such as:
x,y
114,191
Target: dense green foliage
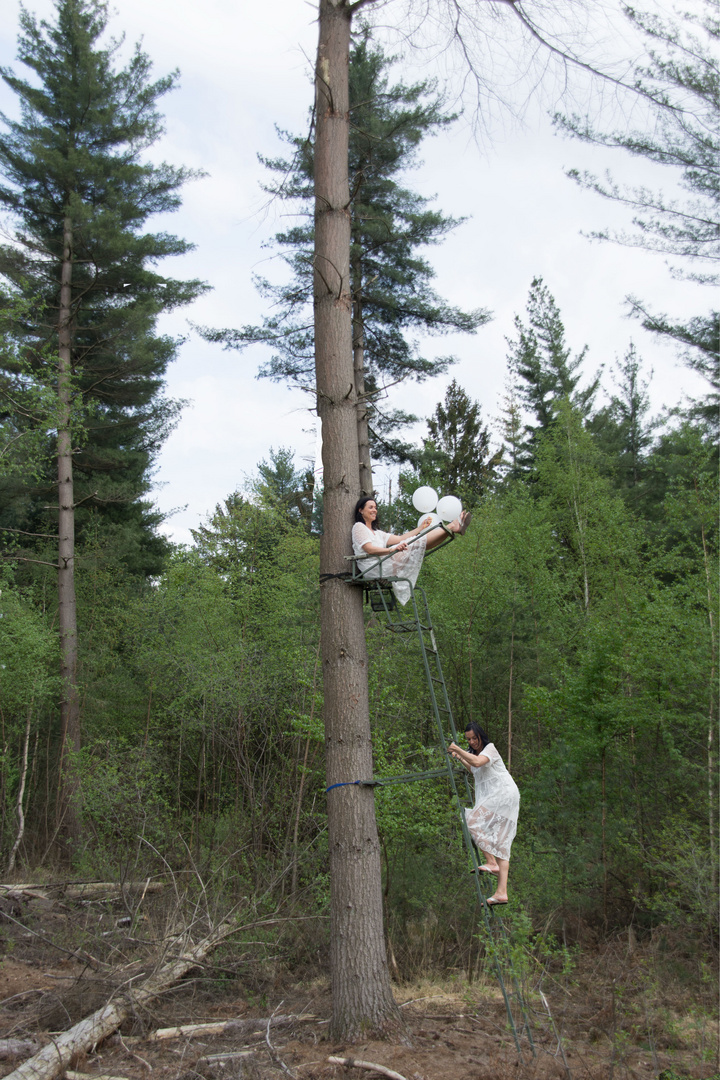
x,y
577,627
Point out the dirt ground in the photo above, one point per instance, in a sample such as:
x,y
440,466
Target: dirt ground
x,y
61,960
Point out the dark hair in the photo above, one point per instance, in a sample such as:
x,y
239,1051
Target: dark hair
x,y
480,732
358,507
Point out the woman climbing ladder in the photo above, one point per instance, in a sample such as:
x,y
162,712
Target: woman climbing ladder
x,y
492,822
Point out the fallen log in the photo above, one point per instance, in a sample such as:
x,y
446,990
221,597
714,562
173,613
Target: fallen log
x,y
84,890
14,1047
222,1027
353,1063
57,1055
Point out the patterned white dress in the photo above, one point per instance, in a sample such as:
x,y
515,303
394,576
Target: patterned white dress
x,y
493,819
404,564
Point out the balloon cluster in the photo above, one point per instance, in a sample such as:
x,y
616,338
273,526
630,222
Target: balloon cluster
x,y
425,499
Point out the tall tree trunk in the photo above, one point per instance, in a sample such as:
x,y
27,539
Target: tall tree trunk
x,y
358,345
362,997
67,608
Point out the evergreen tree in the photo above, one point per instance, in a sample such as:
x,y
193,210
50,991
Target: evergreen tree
x,y
680,86
80,193
391,288
457,457
280,486
622,428
544,370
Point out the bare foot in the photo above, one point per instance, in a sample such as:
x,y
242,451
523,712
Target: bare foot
x,y
462,522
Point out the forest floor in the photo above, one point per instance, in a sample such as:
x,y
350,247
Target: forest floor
x,y
615,1016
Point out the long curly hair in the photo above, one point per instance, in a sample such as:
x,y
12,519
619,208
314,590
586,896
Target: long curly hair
x,y
358,507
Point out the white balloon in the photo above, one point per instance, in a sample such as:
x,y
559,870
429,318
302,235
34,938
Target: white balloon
x,y
423,517
425,499
449,508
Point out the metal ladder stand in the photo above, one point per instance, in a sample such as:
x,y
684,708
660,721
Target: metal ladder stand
x,y
418,621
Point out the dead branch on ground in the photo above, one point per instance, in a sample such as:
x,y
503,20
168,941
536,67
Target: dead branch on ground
x,y
55,1057
353,1063
223,1027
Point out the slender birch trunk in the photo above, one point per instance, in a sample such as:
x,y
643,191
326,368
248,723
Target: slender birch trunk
x,y
19,809
67,607
362,997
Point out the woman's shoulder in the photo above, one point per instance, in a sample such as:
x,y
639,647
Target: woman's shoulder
x,y
491,751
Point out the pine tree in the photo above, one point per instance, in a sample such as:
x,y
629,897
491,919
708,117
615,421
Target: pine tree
x,y
543,368
392,297
80,193
280,486
680,86
457,457
622,429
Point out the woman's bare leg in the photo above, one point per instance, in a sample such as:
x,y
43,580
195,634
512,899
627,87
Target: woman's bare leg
x,y
501,891
438,536
492,865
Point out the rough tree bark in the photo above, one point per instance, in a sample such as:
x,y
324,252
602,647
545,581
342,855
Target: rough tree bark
x,y
358,345
67,607
362,997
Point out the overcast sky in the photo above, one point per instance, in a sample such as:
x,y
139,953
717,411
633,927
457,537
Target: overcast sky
x,y
246,67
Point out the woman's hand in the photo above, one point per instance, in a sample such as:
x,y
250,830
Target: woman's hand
x,y
402,546
455,750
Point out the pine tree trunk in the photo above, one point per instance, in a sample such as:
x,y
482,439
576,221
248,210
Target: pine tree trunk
x,y
362,997
67,608
358,343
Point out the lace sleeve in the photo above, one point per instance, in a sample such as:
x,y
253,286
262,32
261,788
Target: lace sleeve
x,y
361,534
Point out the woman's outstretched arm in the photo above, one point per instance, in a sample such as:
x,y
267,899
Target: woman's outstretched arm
x,y
412,532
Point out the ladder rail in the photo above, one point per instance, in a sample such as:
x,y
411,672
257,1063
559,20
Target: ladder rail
x,y
421,623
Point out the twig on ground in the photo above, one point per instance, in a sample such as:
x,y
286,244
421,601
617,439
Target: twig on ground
x,y
273,1052
353,1063
71,1074
84,956
561,1048
23,993
230,1055
131,1053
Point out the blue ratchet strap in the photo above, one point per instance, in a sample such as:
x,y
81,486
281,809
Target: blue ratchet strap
x,y
349,783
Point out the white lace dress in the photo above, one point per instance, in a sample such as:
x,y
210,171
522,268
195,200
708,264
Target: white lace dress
x,y
403,564
493,819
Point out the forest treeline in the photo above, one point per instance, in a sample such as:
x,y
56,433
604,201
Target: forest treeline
x,y
576,622
161,711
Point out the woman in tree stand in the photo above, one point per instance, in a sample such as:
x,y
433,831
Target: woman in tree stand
x,y
493,819
407,554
